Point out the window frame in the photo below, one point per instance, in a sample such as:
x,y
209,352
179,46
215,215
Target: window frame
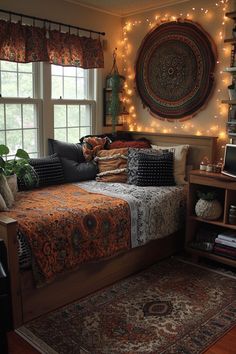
x,y
45,104
35,100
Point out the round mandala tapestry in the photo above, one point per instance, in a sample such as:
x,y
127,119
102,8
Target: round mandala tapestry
x,y
174,69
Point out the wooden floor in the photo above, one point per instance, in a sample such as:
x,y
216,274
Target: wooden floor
x,y
226,345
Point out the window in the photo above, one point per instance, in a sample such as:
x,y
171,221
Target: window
x,y
31,94
19,118
73,110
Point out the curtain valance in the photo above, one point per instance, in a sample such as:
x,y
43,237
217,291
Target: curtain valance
x,y
23,44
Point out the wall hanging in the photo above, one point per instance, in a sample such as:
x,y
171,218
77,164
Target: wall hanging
x,y
114,105
174,69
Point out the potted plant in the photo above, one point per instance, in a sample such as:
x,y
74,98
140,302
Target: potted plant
x,y
208,207
18,167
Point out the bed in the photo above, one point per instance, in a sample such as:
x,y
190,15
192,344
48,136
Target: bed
x,y
145,246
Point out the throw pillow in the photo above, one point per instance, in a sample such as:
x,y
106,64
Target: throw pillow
x,y
78,171
180,157
131,144
49,170
92,145
67,150
6,192
72,157
119,135
155,170
112,165
132,167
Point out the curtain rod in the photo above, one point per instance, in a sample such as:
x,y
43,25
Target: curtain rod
x,y
53,22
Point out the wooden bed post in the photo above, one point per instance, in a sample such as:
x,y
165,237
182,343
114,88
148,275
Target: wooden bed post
x,y
8,233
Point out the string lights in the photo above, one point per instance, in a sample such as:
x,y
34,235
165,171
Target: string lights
x,y
217,121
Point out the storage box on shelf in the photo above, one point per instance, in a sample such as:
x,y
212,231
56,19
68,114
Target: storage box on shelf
x,y
201,232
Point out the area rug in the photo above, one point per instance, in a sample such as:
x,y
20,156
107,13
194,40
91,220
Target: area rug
x,y
172,307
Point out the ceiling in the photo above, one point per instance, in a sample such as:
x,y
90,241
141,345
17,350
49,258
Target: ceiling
x,y
125,7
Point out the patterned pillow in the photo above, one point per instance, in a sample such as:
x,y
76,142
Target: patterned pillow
x,y
92,145
49,170
155,170
180,156
138,144
132,168
112,165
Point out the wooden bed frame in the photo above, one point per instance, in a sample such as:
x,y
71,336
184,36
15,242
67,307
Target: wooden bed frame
x,y
29,302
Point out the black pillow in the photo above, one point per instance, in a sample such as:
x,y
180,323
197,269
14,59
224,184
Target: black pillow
x,y
75,171
75,168
155,170
49,170
68,150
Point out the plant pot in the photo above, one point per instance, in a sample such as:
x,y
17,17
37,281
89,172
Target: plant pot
x,y
12,182
208,209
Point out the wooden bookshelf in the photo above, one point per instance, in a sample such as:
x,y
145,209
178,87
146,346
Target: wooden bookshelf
x,y
226,190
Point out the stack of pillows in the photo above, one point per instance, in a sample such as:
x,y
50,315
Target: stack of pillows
x,y
102,158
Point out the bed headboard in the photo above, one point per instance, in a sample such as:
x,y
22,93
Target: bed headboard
x,y
200,146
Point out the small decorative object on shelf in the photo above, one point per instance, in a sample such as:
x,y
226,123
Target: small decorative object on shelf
x,y
232,214
209,167
232,91
208,207
204,163
216,168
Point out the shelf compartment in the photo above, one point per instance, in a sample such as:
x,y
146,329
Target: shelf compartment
x,y
213,222
231,14
230,40
229,102
231,69
212,256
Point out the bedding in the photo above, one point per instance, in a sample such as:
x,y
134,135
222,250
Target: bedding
x,y
155,212
66,226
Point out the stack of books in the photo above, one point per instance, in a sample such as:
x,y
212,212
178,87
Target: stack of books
x,y
225,244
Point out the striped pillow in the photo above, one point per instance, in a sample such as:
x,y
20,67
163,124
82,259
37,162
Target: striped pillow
x,y
155,170
112,165
49,170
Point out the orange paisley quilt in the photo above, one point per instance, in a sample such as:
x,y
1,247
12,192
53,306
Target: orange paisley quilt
x,y
67,226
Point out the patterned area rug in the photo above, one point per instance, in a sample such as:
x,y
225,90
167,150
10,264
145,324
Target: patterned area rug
x,y
172,307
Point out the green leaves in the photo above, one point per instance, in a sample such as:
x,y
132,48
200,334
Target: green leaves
x,y
3,150
22,154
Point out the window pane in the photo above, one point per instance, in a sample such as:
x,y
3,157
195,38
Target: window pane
x,y
59,116
80,72
9,66
25,67
73,135
14,140
56,87
2,138
60,134
25,85
85,115
80,88
2,123
30,140
29,116
69,87
9,84
13,116
69,71
56,70
73,116
85,131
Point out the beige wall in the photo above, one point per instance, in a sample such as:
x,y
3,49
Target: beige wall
x,y
212,118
